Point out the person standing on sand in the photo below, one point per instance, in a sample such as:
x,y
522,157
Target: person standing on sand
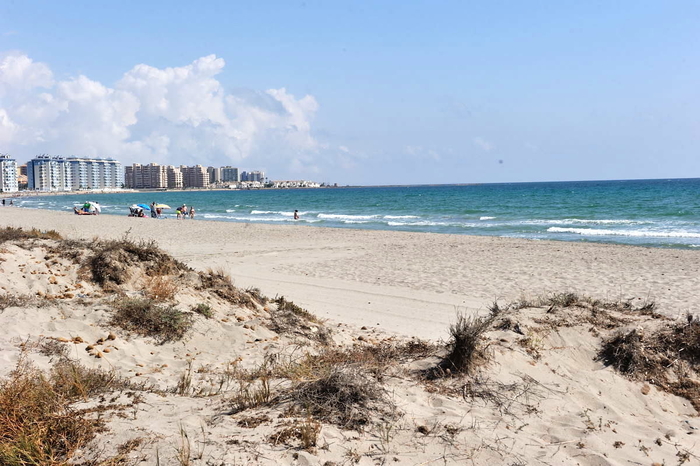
x,y
192,212
296,214
154,214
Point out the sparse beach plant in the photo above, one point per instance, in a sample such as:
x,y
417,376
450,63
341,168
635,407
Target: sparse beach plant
x,y
347,396
203,310
668,357
466,348
146,317
160,288
17,234
220,283
112,260
288,318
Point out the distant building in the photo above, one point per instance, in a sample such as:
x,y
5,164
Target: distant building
x,y
194,177
174,177
253,176
214,175
8,174
230,174
46,173
151,176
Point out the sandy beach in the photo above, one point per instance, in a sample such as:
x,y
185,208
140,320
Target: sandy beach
x,y
409,283
546,385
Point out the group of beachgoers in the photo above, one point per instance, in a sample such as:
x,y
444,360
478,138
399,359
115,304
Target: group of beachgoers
x,y
156,211
88,208
5,203
182,212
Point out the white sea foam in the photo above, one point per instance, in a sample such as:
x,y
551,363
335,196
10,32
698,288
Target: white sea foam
x,y
355,221
486,218
346,217
631,233
398,217
230,210
576,221
424,223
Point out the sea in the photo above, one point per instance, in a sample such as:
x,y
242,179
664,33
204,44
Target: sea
x,y
658,213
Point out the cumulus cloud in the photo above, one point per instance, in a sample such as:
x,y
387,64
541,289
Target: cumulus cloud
x,y
179,115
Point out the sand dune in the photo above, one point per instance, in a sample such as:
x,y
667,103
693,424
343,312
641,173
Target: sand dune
x,y
542,395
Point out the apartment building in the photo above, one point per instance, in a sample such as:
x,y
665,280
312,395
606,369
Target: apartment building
x,y
230,174
194,177
57,173
8,174
139,176
174,177
253,176
214,175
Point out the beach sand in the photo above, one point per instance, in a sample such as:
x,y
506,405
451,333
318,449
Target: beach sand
x,y
408,283
544,397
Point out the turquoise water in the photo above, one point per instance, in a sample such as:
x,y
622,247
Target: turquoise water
x,y
663,213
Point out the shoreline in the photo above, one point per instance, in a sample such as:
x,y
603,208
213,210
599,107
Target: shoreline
x,y
405,282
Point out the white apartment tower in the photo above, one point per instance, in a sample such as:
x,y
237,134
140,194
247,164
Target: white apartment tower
x,y
8,174
45,173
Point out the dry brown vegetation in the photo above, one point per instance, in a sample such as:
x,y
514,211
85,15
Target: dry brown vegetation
x,y
668,357
160,288
19,234
346,396
219,282
38,424
11,300
148,318
289,319
113,259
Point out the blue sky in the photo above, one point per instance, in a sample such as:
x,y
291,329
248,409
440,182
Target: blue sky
x,y
359,92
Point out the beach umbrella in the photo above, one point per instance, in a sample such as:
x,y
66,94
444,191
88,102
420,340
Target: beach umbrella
x,y
96,206
163,206
143,206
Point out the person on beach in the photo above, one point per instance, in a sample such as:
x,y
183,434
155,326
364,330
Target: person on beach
x,y
192,212
296,214
154,214
3,202
11,203
159,212
178,213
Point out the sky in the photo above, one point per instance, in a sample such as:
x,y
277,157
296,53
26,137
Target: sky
x,y
359,92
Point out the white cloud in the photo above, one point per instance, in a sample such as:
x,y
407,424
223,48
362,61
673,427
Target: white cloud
x,y
483,144
20,73
172,115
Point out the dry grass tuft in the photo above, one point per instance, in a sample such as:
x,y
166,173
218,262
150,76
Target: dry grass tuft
x,y
203,309
301,434
466,347
668,357
112,260
290,319
347,396
219,282
18,234
160,288
146,317
38,425
12,300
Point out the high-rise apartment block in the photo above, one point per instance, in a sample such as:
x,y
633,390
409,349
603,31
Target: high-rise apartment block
x,y
194,177
253,176
8,174
46,173
214,175
174,177
229,175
